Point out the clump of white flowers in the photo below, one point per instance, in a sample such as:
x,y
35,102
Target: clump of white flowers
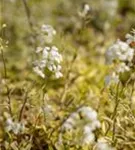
x,y
120,54
50,60
102,144
119,51
49,57
15,127
84,120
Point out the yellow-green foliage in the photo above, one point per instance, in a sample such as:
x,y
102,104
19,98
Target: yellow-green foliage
x,y
43,105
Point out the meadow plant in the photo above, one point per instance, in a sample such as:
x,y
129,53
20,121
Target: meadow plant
x,y
121,54
50,57
68,105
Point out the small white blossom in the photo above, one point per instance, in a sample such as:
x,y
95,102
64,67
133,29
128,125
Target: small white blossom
x,y
87,129
88,113
122,67
95,124
88,135
89,138
9,124
39,71
102,144
85,11
130,38
58,74
15,127
70,123
49,32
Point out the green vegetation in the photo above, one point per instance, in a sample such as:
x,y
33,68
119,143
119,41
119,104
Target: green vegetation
x,y
67,75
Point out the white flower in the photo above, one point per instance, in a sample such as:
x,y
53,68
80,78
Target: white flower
x,y
119,51
48,29
18,128
49,32
89,138
58,74
87,129
85,11
15,127
122,67
88,113
130,38
39,71
9,124
46,52
102,144
69,124
95,124
88,135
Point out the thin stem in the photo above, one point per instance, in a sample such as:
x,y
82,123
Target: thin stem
x,y
23,106
31,25
4,64
115,109
7,88
114,116
132,91
28,14
63,95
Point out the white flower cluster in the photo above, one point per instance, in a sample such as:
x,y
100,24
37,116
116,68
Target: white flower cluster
x,y
15,127
122,54
119,51
84,118
48,32
49,56
50,60
102,144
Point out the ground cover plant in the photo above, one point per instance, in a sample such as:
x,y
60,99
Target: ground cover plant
x,y
67,75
